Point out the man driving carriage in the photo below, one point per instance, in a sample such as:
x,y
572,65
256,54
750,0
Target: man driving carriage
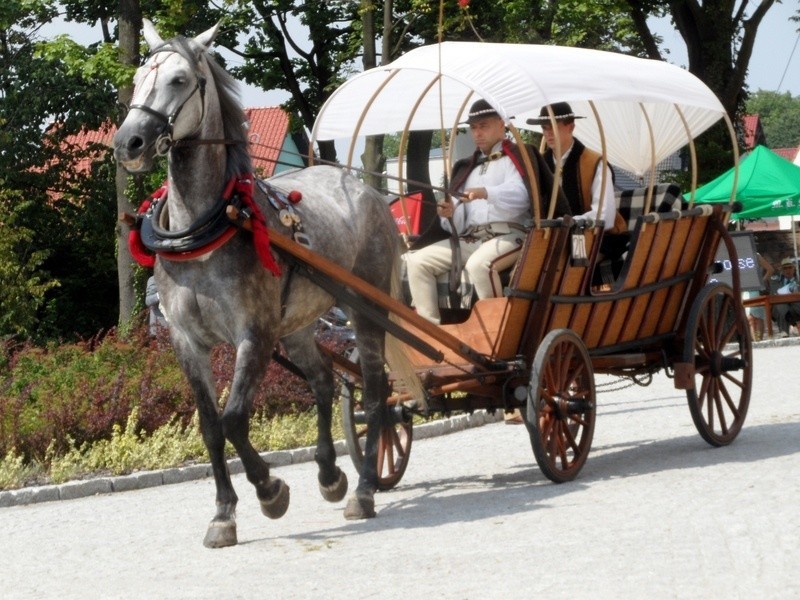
x,y
489,211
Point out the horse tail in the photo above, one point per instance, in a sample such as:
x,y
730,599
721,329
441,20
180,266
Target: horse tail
x,y
400,364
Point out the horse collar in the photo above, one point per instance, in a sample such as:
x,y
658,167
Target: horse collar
x,y
210,231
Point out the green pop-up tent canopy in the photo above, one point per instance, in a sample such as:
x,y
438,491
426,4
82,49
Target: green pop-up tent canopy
x,y
768,186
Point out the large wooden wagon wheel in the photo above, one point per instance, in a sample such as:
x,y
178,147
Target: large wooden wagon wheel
x,y
394,445
561,407
719,350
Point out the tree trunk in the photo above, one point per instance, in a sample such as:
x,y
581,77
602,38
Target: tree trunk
x,y
130,23
372,159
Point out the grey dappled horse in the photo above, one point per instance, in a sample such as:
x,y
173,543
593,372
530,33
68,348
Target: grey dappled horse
x,y
184,104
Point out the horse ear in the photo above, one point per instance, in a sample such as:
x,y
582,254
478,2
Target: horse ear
x,y
207,37
151,35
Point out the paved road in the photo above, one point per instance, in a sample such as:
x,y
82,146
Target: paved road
x,y
655,513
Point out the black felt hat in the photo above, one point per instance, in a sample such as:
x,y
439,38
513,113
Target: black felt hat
x,y
561,111
481,109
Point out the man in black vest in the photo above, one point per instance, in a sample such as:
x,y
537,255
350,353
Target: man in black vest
x,y
490,211
581,168
582,178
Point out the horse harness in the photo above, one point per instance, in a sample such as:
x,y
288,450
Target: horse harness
x,y
150,237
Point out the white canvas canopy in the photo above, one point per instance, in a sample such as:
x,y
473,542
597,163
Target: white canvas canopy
x,y
431,87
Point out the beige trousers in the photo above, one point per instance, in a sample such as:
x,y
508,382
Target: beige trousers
x,y
483,263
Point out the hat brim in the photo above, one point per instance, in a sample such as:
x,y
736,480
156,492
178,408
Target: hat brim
x,y
545,120
481,117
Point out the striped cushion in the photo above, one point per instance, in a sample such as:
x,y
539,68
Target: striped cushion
x,y
666,197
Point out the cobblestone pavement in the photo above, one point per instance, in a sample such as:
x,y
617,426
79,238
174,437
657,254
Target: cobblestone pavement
x,y
655,513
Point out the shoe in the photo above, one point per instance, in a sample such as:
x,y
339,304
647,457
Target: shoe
x,y
513,418
783,334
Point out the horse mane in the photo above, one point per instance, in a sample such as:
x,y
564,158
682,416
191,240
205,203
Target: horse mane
x,y
231,112
234,121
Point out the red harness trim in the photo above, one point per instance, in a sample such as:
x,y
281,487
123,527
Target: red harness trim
x,y
243,186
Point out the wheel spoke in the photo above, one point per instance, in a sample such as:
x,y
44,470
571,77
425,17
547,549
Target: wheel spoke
x,y
723,423
388,450
570,439
565,357
737,382
734,410
381,454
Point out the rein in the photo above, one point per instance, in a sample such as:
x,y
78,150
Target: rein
x,y
332,163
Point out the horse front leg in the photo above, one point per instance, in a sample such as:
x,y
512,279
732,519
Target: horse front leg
x,y
252,358
196,366
301,347
361,504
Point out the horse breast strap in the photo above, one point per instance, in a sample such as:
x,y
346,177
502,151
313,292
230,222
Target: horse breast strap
x,y
148,239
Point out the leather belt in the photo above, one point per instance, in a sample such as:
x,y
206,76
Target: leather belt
x,y
490,230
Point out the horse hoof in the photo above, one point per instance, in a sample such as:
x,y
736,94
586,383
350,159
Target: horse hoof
x,y
359,507
335,491
220,534
275,506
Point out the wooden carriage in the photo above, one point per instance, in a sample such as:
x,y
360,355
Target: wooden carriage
x,y
538,348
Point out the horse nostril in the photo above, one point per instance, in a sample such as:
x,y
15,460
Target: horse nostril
x,y
135,143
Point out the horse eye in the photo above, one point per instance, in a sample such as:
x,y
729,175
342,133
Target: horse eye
x,y
179,80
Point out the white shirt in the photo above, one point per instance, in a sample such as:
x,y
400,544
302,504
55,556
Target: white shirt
x,y
609,201
507,198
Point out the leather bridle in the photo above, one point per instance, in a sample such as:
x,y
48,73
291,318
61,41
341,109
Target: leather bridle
x,y
165,140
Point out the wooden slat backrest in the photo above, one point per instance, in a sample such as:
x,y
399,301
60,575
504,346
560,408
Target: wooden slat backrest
x,y
658,257
574,282
610,316
687,237
662,250
540,263
698,230
526,279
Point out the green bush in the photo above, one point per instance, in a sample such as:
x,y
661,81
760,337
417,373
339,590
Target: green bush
x,y
109,405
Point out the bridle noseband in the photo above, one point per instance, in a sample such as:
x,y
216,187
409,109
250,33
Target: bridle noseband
x,y
165,140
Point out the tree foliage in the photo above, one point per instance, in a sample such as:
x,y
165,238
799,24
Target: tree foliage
x,y
63,218
780,117
58,212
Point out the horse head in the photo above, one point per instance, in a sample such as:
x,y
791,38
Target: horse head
x,y
169,100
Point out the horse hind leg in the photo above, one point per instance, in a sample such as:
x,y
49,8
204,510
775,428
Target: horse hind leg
x,y
370,341
301,347
252,358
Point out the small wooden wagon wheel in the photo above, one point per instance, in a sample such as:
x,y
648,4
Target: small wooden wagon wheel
x,y
394,446
719,349
561,405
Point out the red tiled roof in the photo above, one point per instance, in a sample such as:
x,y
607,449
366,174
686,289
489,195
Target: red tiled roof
x,y
751,124
268,129
788,153
81,140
